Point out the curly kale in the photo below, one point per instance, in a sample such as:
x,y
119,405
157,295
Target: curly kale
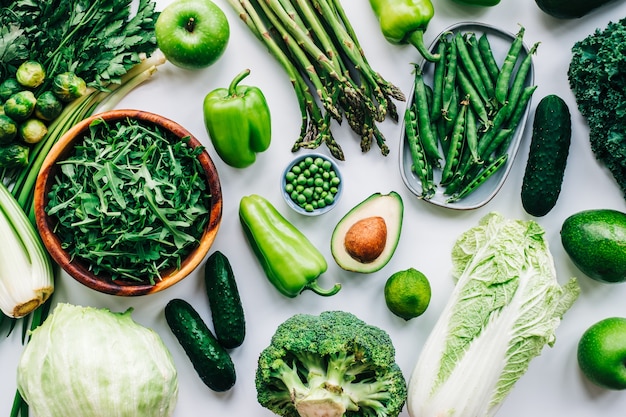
x,y
331,365
597,77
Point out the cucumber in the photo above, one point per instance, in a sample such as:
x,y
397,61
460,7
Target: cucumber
x,y
570,9
210,359
547,157
226,309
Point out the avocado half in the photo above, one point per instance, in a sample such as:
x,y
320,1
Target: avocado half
x,y
365,238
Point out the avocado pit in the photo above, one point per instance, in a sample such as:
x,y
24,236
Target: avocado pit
x,y
365,240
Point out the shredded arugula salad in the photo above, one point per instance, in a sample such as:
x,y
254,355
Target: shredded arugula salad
x,y
131,199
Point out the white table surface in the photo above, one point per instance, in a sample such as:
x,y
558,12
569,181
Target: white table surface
x,y
553,386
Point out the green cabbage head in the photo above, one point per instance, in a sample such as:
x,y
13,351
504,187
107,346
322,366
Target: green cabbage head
x,y
89,362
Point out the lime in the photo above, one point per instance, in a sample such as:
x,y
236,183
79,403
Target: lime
x,y
407,293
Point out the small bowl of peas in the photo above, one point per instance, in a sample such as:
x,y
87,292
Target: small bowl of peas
x,y
311,184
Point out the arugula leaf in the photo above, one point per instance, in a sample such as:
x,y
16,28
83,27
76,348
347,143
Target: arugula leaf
x,y
131,200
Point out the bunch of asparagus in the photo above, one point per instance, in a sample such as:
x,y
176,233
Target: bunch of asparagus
x,y
317,46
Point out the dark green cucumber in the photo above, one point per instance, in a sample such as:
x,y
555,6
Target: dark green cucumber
x,y
226,309
210,359
570,9
547,157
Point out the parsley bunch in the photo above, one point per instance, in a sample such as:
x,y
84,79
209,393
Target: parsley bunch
x,y
98,40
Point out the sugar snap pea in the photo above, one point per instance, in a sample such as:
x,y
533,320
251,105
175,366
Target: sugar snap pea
x,y
469,64
424,126
472,113
504,78
484,47
480,179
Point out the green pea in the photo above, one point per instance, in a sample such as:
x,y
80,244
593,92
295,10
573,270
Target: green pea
x,y
326,186
335,181
294,195
314,169
310,182
327,165
329,199
302,179
301,199
308,161
309,207
321,203
306,173
296,169
289,188
319,182
290,176
318,161
326,175
307,193
333,190
299,188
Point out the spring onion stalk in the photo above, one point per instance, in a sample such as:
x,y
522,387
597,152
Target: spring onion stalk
x,y
26,275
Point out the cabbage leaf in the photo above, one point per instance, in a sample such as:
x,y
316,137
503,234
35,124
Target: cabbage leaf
x,y
505,307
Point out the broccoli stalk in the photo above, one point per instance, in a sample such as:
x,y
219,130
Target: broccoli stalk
x,y
330,365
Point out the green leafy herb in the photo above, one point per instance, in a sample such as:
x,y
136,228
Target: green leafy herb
x,y
98,40
132,200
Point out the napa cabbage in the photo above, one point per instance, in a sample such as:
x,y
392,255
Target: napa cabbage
x,y
505,307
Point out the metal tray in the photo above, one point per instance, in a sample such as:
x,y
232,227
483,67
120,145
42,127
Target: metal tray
x,y
500,42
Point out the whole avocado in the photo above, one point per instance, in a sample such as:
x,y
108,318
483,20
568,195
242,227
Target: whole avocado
x,y
595,241
569,9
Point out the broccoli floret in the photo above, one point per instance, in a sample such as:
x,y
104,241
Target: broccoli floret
x,y
333,364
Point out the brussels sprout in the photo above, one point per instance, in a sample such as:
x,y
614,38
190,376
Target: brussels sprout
x,y
30,74
32,130
8,129
9,87
20,105
48,106
13,156
68,86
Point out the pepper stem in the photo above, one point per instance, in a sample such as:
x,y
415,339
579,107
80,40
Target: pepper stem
x,y
314,286
232,88
417,40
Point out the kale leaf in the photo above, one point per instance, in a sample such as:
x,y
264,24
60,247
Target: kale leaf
x,y
597,77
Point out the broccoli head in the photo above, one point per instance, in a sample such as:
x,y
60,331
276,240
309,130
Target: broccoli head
x,y
330,365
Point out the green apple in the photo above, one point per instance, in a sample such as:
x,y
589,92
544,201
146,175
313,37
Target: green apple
x,y
192,34
602,353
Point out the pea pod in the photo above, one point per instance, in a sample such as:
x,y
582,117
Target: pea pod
x,y
290,261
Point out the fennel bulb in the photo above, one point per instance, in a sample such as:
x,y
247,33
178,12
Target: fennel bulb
x,y
505,307
89,362
26,275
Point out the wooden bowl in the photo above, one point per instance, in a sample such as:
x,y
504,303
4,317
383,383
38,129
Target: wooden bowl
x,y
79,269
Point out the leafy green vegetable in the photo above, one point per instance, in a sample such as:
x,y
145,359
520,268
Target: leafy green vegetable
x,y
131,200
504,309
90,362
596,79
98,40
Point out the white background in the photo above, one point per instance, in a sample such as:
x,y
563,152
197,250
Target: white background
x,y
552,386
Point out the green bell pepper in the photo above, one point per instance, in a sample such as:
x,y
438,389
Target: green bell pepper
x,y
290,261
238,121
405,21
